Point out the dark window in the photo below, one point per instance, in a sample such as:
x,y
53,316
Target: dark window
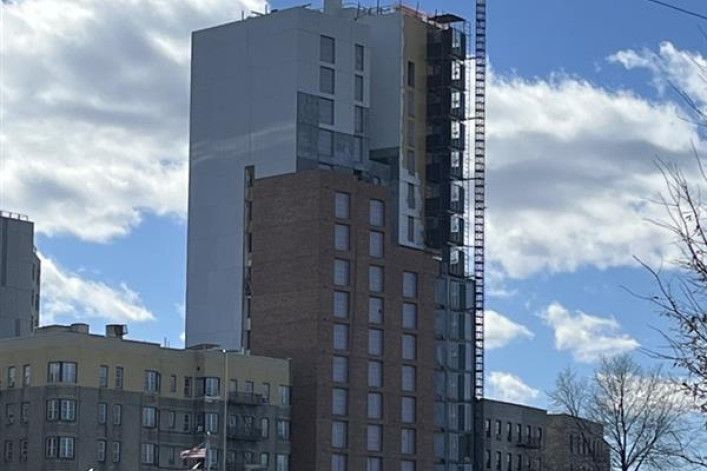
x,y
327,49
326,80
411,74
358,55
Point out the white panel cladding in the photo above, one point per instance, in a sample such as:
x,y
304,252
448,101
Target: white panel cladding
x,y
245,79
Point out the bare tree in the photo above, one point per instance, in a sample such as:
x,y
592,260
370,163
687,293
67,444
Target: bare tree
x,y
682,298
646,419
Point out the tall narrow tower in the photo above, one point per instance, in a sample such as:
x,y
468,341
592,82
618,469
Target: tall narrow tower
x,y
19,276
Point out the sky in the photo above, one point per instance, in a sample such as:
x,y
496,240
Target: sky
x,y
581,104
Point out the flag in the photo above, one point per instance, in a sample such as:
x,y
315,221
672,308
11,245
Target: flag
x,y
198,452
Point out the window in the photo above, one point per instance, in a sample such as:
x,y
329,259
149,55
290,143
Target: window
x,y
103,376
375,244
326,111
119,377
186,424
171,419
456,132
407,465
61,372
61,409
341,304
66,448
375,342
341,272
51,447
24,412
375,278
376,213
342,204
456,100
358,57
341,337
487,427
149,417
211,386
8,450
283,430
116,452
358,88
341,237
409,350
327,49
101,451
509,431
411,196
173,383
410,161
411,229
26,375
152,381
283,463
24,445
498,460
339,401
326,80
339,434
373,463
375,310
409,284
117,414
338,462
102,413
11,376
148,453
407,441
264,427
249,388
407,410
374,437
358,119
408,380
340,369
187,386
375,406
411,74
456,70
325,144
409,316
375,374
285,392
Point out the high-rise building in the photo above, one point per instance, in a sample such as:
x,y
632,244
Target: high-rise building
x,y
73,401
330,223
19,276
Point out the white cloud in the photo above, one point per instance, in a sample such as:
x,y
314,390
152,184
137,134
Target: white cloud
x,y
510,388
499,330
670,66
95,107
571,172
66,296
585,336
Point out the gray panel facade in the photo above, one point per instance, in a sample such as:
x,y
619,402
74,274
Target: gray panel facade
x,y
19,276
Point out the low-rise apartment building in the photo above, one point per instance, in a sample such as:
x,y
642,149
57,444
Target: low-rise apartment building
x,y
523,438
71,400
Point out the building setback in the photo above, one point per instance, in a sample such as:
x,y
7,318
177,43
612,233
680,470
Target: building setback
x,y
19,276
329,223
71,400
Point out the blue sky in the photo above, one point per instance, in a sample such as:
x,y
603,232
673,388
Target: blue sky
x,y
94,139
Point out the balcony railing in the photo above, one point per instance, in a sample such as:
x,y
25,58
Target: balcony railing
x,y
246,433
247,398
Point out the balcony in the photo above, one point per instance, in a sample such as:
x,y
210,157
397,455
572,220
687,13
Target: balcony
x,y
249,399
532,443
245,433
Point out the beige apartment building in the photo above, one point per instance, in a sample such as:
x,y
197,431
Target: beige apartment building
x,y
71,400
